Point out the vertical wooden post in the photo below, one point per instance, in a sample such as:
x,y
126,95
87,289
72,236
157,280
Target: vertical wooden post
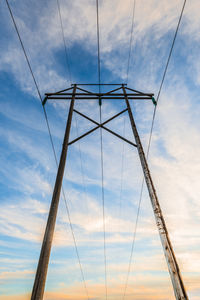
x,y
40,278
179,289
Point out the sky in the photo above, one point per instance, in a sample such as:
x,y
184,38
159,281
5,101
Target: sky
x,y
28,167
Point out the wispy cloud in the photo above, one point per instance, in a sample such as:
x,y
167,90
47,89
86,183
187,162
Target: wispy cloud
x,y
28,170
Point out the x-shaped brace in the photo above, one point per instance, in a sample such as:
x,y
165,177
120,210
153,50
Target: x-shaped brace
x,y
102,126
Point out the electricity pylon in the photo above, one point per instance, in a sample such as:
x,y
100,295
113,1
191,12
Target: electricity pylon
x,y
121,92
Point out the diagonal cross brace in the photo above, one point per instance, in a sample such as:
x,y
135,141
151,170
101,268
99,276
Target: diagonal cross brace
x,y
102,126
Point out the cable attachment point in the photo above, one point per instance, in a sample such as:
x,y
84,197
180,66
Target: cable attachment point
x,y
44,101
154,101
100,101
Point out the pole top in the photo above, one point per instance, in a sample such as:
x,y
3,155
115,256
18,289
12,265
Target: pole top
x,y
115,92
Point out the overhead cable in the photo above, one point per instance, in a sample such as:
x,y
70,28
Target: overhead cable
x,y
122,169
101,142
64,43
50,135
98,45
67,208
131,40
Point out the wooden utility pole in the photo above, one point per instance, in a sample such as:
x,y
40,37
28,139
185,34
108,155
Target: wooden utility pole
x,y
119,93
179,289
40,277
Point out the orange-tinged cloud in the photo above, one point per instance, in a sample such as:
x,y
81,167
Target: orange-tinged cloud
x,y
15,274
158,290
15,297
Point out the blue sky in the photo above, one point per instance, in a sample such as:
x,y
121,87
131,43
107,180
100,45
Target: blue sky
x,y
28,167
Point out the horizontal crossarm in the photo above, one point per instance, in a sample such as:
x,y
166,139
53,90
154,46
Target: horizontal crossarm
x,y
94,97
84,94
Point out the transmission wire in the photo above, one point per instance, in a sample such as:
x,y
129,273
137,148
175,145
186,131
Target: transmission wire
x,y
131,39
81,163
98,45
149,142
32,74
101,141
103,204
64,43
80,154
50,135
70,79
67,208
122,172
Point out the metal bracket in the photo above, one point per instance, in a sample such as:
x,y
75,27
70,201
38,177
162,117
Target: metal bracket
x,y
83,94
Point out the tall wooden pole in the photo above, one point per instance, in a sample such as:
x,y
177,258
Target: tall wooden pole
x,y
179,289
40,278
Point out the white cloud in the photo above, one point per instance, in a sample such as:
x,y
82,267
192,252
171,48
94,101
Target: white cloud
x,y
15,275
115,26
175,146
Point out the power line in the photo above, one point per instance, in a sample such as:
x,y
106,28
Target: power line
x,y
81,164
131,39
101,142
164,74
50,135
76,247
103,207
122,176
70,79
122,170
64,42
149,143
67,208
98,44
170,53
133,240
75,243
32,74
